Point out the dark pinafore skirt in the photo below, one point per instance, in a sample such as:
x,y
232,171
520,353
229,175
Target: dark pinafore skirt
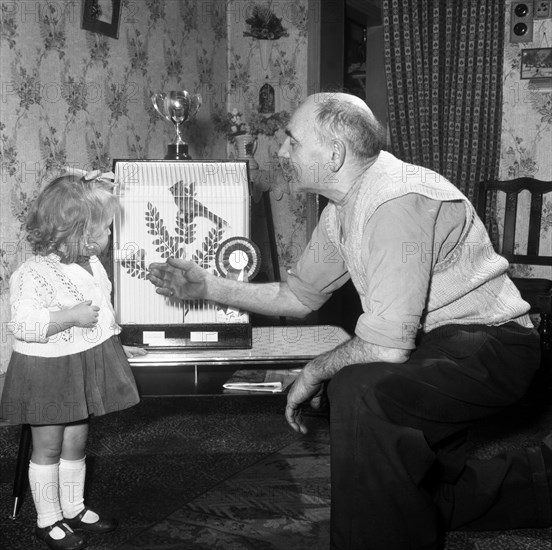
x,y
61,390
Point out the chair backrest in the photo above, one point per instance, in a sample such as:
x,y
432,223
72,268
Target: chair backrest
x,y
512,189
537,291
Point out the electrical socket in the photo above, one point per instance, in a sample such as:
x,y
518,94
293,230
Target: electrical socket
x,y
543,9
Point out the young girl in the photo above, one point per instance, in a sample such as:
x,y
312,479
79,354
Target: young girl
x,y
67,363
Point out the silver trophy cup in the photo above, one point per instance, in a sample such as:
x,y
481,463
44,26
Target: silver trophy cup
x,y
177,107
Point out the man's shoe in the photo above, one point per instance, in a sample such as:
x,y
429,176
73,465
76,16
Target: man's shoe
x,y
102,525
70,541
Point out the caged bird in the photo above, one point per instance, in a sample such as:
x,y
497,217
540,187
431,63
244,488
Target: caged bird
x,y
189,208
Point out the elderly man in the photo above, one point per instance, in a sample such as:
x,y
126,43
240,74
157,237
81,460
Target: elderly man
x,y
444,339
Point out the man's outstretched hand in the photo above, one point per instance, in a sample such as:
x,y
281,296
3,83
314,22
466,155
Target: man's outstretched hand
x,y
182,279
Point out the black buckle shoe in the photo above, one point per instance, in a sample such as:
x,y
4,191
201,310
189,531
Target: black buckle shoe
x,y
102,525
70,541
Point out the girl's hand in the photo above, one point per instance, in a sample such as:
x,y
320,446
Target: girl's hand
x,y
133,351
85,315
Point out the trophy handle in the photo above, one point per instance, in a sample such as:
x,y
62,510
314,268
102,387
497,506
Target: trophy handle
x,y
154,99
195,104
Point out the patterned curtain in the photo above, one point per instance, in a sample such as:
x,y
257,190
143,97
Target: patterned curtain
x,y
443,61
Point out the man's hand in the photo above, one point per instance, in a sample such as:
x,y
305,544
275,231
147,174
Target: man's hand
x,y
182,279
305,388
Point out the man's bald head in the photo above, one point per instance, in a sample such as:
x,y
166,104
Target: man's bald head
x,y
346,117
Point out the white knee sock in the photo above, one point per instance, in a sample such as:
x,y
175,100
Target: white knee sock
x,y
44,484
72,474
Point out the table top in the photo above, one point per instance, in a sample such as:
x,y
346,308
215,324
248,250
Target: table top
x,y
271,345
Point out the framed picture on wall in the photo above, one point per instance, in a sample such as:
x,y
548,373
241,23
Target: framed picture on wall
x,y
101,16
536,63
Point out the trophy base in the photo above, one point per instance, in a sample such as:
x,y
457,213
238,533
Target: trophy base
x,y
177,151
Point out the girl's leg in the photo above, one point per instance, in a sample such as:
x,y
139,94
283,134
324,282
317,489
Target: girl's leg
x,y
44,483
74,440
72,469
43,472
72,474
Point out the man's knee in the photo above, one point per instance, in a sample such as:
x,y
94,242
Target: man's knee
x,y
343,383
356,381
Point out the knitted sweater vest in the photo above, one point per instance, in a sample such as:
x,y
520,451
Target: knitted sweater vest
x,y
470,286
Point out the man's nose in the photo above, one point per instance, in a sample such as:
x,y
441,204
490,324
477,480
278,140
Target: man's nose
x,y
283,152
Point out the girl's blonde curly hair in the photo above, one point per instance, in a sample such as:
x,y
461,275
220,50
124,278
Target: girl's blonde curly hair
x,y
67,212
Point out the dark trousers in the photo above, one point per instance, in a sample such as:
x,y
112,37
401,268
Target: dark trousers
x,y
400,475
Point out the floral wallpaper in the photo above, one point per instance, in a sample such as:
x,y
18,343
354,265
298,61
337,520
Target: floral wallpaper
x,y
526,142
71,96
268,48
74,97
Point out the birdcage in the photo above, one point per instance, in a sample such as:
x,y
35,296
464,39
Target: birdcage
x,y
193,210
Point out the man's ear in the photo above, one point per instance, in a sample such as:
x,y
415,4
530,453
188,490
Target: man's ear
x,y
339,152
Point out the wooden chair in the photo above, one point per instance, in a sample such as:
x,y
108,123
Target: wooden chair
x,y
536,291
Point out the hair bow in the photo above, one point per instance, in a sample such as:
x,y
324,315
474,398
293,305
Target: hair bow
x,y
91,174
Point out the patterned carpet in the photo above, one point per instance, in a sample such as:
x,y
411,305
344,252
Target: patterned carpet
x,y
146,462
224,473
282,503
